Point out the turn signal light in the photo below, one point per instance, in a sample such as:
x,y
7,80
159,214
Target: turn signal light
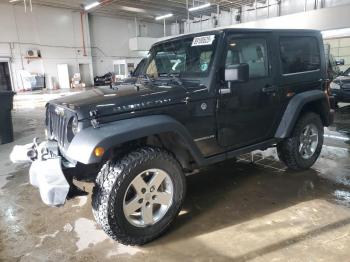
x,y
99,151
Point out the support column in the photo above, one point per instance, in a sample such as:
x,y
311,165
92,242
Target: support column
x,y
164,27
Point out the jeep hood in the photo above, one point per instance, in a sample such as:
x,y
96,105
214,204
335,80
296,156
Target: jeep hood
x,y
126,98
342,79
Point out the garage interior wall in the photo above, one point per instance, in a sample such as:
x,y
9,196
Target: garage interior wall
x,y
110,40
321,19
56,32
315,14
340,49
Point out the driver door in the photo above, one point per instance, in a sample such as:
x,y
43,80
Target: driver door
x,y
247,112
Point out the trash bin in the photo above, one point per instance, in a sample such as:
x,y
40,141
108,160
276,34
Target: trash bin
x,y
6,127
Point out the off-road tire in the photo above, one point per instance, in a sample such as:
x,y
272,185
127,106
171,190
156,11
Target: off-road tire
x,y
288,149
112,182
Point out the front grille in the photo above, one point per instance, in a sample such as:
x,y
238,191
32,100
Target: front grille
x,y
346,87
57,121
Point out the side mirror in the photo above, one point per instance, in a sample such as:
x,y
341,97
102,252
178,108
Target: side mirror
x,y
340,62
237,73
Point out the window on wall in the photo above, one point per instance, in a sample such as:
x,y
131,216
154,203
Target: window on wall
x,y
251,51
299,54
119,69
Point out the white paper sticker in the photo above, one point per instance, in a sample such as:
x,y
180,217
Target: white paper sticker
x,y
203,40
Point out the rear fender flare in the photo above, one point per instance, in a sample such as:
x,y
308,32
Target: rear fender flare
x,y
294,108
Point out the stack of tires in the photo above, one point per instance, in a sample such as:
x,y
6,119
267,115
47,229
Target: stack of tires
x,y
6,127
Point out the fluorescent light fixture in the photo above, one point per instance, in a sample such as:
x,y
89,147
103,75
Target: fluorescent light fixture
x,y
133,9
195,8
164,16
92,5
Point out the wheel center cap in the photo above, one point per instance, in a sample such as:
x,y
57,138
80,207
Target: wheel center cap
x,y
148,196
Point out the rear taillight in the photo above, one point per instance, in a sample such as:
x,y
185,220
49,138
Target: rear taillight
x,y
326,86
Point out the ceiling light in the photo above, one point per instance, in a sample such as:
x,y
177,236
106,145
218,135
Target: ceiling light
x,y
92,5
164,16
195,8
132,9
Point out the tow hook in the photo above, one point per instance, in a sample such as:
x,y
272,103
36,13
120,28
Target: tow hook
x,y
32,153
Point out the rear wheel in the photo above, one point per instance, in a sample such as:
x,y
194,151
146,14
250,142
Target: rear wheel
x,y
302,149
136,198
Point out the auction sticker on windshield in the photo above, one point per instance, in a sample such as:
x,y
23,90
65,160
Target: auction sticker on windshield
x,y
203,40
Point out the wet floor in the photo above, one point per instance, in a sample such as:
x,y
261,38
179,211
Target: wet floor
x,y
250,210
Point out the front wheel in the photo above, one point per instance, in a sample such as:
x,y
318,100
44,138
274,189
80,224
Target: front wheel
x,y
302,149
136,198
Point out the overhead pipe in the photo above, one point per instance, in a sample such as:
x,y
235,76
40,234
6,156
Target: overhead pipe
x,y
105,2
82,13
82,32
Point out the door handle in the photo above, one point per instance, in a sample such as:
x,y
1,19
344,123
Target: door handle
x,y
224,91
269,89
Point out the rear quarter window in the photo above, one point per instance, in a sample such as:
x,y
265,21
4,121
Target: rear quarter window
x,y
299,54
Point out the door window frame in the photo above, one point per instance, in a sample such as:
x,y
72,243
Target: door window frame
x,y
268,40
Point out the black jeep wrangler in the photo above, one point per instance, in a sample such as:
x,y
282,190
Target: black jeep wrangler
x,y
202,98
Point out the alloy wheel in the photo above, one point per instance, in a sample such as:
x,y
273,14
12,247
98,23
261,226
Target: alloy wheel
x,y
308,141
148,197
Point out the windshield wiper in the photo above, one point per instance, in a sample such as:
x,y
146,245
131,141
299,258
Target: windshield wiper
x,y
174,79
145,77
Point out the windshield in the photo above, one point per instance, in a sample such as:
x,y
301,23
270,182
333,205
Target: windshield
x,y
347,72
190,57
139,67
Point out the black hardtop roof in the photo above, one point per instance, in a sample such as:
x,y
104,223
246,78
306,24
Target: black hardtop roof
x,y
239,30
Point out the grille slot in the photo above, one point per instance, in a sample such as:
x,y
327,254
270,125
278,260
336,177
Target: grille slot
x,y
346,87
57,124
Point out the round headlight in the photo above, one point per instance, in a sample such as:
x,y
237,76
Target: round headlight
x,y
334,86
72,128
75,127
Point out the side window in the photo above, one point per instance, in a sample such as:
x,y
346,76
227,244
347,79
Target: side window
x,y
250,51
299,54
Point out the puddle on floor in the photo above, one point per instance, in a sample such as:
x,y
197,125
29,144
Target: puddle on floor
x,y
3,182
82,201
88,234
342,197
43,237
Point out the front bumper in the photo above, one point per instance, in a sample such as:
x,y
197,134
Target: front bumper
x,y
46,171
340,95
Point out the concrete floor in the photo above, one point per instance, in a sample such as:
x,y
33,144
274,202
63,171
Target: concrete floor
x,y
233,211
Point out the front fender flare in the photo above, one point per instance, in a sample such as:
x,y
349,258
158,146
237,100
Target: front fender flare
x,y
295,106
109,135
